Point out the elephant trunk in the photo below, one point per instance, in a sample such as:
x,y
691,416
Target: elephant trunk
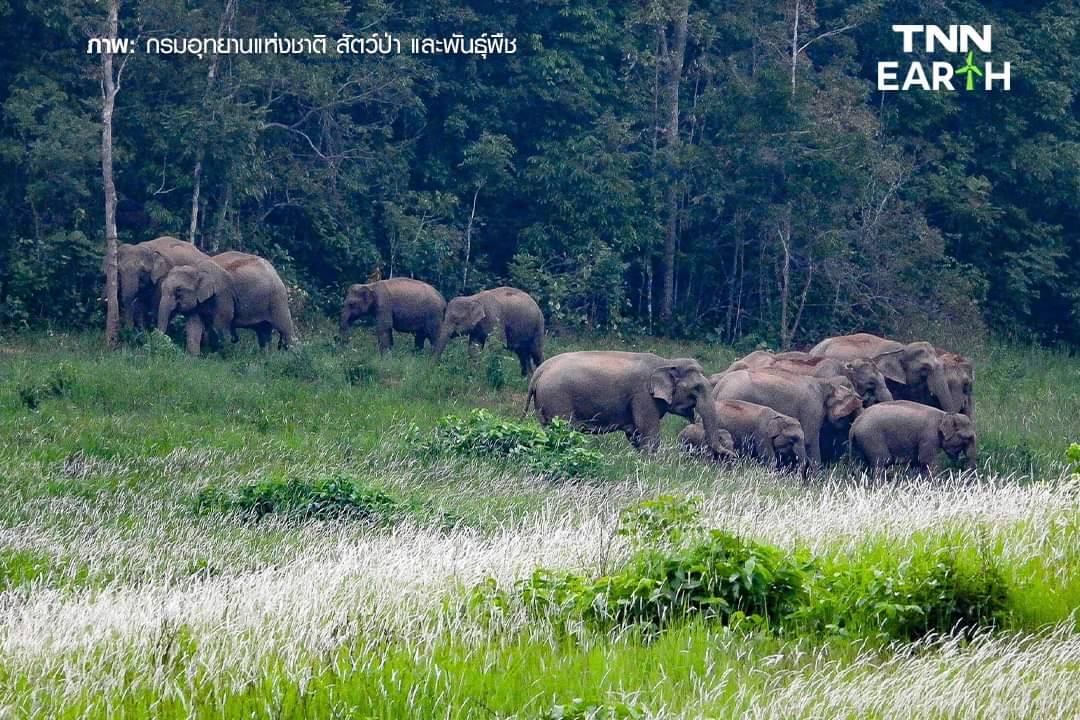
x,y
939,388
972,456
881,392
706,409
441,341
165,312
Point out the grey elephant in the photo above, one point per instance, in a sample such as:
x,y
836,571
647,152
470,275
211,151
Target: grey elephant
x,y
913,371
398,304
905,432
141,268
960,375
610,391
757,431
226,292
504,310
823,406
864,375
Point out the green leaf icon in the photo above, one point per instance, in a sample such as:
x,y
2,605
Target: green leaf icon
x,y
970,70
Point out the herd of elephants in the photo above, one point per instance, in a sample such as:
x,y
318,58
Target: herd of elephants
x,y
878,399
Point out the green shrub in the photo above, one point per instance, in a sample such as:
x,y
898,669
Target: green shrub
x,y
580,709
679,571
906,598
557,451
1073,456
158,344
336,497
57,382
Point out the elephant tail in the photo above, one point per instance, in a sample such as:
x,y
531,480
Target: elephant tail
x,y
528,401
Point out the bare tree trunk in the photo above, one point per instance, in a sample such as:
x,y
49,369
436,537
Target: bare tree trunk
x,y
109,88
785,284
468,239
672,57
795,45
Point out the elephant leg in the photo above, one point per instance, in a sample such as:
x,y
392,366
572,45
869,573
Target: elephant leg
x,y
646,422
385,338
523,359
265,334
812,433
418,342
193,333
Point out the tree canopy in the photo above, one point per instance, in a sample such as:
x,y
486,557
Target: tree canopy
x,y
730,161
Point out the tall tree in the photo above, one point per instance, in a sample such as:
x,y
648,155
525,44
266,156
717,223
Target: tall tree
x,y
110,86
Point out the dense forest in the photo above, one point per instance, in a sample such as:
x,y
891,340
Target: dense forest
x,y
720,170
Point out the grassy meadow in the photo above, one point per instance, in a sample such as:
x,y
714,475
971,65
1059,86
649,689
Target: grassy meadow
x,y
147,568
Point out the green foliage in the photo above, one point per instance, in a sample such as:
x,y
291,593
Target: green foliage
x,y
58,381
1073,456
338,497
907,597
580,709
495,371
557,451
665,521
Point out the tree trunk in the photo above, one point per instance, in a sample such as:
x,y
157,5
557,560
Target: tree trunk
x,y
468,239
109,88
672,57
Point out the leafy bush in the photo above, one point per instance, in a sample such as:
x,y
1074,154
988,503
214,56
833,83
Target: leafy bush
x,y
712,574
904,599
158,344
1073,456
336,497
495,371
57,382
557,451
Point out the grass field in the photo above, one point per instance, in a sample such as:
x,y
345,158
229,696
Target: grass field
x,y
130,588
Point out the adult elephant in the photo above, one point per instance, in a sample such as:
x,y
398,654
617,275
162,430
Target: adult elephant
x,y
226,292
609,391
398,304
505,310
823,406
913,371
911,433
864,375
142,267
757,431
960,374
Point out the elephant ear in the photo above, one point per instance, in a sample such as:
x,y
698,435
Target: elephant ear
x,y
159,268
949,428
775,427
662,384
207,286
891,365
477,313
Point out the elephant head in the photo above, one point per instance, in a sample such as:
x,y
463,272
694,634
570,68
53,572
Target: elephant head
x,y
463,315
868,380
960,375
187,288
842,403
957,435
680,386
137,268
917,364
787,437
360,300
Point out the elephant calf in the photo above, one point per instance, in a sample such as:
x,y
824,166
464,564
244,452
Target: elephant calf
x,y
757,431
821,405
398,304
609,391
506,310
140,270
912,433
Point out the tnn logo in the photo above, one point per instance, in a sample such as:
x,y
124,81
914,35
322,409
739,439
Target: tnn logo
x,y
963,39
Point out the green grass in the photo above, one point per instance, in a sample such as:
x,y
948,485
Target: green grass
x,y
350,596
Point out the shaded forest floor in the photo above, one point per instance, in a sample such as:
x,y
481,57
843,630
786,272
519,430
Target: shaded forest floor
x,y
130,587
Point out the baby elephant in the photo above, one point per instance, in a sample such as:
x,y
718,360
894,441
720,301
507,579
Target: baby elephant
x,y
757,431
911,433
